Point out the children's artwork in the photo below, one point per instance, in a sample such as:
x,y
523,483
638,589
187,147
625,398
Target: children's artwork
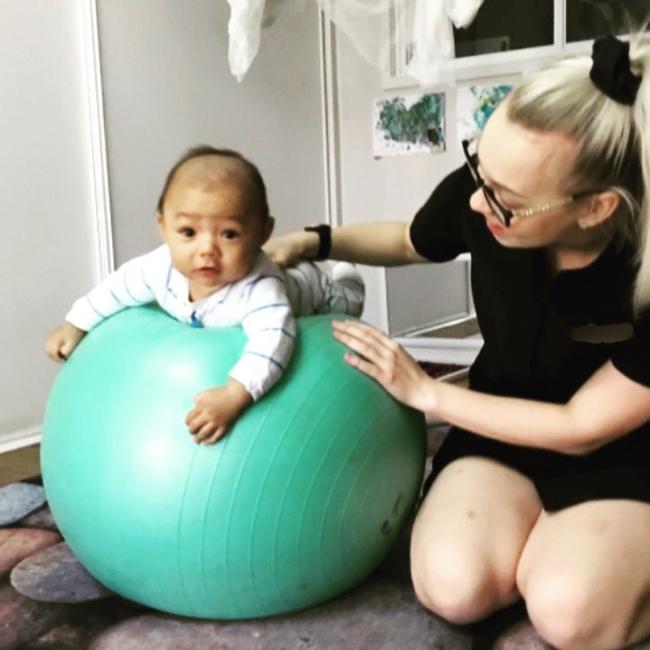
x,y
409,124
474,105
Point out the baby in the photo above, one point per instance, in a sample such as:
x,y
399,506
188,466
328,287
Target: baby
x,y
214,218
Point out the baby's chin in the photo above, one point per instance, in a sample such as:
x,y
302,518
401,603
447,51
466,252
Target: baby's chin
x,y
202,285
200,290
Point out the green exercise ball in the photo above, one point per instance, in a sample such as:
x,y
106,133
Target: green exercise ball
x,y
298,502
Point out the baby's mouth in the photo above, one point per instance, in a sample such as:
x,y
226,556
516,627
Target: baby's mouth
x,y
206,270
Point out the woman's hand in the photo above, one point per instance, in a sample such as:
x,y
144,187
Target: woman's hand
x,y
62,341
385,361
288,250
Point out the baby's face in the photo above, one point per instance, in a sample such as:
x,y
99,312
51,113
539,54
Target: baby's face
x,y
212,235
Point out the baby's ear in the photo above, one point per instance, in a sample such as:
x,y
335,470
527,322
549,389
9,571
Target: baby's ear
x,y
159,223
269,224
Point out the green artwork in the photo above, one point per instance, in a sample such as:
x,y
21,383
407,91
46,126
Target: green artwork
x,y
409,124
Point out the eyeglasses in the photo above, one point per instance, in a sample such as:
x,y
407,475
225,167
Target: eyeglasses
x,y
504,214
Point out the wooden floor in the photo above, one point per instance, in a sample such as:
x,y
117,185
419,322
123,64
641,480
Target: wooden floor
x,y
19,464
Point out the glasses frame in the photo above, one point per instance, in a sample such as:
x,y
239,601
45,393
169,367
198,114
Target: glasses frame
x,y
504,214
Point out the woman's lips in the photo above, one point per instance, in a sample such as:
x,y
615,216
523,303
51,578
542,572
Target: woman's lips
x,y
494,228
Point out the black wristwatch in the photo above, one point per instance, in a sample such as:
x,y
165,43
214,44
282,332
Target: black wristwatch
x,y
324,232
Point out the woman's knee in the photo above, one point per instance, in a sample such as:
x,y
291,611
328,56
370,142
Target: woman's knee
x,y
561,608
455,584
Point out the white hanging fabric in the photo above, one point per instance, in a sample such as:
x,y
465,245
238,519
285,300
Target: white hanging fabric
x,y
462,12
433,36
425,26
247,18
244,29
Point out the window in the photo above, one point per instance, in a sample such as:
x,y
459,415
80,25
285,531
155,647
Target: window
x,y
508,37
587,19
503,25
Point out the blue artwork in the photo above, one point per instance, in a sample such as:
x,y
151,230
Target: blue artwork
x,y
475,104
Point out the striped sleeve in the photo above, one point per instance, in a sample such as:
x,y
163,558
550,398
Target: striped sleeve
x,y
271,331
129,286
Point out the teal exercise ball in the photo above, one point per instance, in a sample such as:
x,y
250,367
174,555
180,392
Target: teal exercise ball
x,y
299,502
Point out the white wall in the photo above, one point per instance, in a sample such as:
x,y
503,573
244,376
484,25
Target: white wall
x,y
392,188
167,87
46,209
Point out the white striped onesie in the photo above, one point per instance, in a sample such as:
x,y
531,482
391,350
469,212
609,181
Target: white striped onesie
x,y
264,303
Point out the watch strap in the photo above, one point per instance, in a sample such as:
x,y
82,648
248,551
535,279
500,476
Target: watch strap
x,y
324,232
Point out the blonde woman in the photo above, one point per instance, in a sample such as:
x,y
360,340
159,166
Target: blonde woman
x,y
542,489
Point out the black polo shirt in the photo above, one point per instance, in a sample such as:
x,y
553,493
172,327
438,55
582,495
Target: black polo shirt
x,y
534,326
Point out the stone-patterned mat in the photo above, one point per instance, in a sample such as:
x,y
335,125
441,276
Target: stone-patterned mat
x,y
18,500
17,544
55,575
381,614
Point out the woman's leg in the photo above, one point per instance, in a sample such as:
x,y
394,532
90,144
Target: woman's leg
x,y
468,537
585,575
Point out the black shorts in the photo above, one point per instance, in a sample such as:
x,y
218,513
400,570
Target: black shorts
x,y
619,470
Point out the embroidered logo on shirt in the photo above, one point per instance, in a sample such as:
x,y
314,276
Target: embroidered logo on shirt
x,y
609,333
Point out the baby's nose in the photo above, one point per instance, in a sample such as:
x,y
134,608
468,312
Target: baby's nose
x,y
209,246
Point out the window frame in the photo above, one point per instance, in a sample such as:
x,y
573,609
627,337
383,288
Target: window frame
x,y
481,66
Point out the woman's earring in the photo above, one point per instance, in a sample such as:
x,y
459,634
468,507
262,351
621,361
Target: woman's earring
x,y
588,221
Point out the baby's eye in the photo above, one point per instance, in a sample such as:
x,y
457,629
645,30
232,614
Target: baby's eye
x,y
187,232
230,234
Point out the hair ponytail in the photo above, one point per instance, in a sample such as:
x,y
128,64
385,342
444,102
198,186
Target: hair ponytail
x,y
640,64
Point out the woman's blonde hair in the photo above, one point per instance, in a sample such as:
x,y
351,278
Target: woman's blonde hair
x,y
613,139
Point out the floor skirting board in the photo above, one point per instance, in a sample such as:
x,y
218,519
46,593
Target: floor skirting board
x,y
442,350
18,439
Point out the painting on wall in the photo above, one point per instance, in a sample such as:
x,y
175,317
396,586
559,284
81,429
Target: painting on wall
x,y
409,124
475,104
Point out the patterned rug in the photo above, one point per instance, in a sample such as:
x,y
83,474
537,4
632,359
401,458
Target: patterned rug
x,y
49,602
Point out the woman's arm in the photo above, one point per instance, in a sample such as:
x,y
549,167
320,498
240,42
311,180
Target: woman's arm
x,y
376,244
606,407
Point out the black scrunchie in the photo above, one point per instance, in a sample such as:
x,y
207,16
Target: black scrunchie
x,y
611,72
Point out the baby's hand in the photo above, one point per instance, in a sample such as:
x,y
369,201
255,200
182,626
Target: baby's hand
x,y
62,341
215,410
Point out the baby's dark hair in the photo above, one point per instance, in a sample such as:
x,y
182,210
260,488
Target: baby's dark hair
x,y
258,188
